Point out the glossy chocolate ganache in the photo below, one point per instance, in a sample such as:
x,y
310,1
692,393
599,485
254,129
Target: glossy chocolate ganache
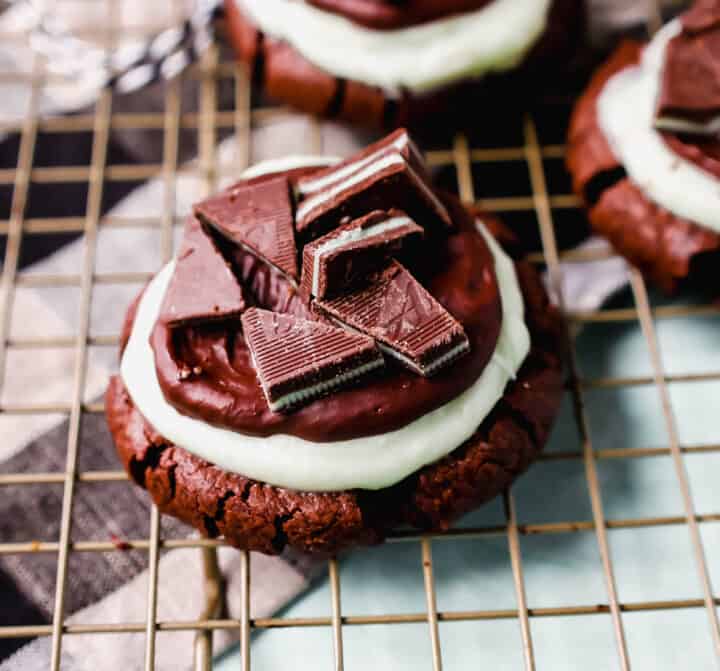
x,y
208,369
388,15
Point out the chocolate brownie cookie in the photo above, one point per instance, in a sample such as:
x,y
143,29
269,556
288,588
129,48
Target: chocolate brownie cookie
x,y
386,64
651,181
410,376
256,516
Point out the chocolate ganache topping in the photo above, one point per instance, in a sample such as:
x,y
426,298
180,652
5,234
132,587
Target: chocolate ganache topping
x,y
394,14
688,109
354,316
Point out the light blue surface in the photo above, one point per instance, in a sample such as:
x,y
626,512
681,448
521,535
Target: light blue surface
x,y
650,563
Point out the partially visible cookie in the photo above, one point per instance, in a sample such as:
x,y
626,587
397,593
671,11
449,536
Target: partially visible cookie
x,y
353,84
650,192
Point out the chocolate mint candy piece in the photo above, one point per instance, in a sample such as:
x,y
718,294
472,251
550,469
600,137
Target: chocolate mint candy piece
x,y
689,100
407,322
399,141
704,14
203,288
347,256
298,360
386,181
259,218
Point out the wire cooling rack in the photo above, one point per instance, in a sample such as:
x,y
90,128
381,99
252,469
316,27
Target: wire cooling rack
x,y
461,156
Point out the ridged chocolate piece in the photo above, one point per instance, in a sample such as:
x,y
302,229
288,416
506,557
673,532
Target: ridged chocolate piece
x,y
704,14
203,288
346,257
259,218
399,141
389,178
689,99
298,360
407,322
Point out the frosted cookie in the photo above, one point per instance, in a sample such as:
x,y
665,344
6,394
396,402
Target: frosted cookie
x,y
380,63
388,393
644,150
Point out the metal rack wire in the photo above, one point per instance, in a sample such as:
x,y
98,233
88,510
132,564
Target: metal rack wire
x,y
460,155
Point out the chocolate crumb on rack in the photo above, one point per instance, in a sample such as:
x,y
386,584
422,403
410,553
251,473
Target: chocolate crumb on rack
x,y
259,218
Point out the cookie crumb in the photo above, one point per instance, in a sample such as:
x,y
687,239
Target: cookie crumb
x,y
119,543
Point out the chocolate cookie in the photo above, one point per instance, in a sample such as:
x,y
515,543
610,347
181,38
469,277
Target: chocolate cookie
x,y
669,249
285,74
265,518
405,343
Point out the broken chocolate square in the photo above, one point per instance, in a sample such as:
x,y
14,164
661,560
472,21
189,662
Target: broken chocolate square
x,y
203,287
689,100
298,360
399,141
388,179
345,257
407,322
257,217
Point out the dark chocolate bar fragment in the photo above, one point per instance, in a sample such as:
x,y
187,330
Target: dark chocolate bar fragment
x,y
298,360
203,287
388,180
703,15
689,100
344,258
399,141
257,217
407,322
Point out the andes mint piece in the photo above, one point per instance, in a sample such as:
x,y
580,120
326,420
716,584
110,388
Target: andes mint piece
x,y
399,141
257,217
689,100
387,180
203,287
407,322
704,14
342,259
298,360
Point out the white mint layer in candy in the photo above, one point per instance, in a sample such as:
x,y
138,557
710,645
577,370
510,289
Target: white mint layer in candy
x,y
315,390
347,238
